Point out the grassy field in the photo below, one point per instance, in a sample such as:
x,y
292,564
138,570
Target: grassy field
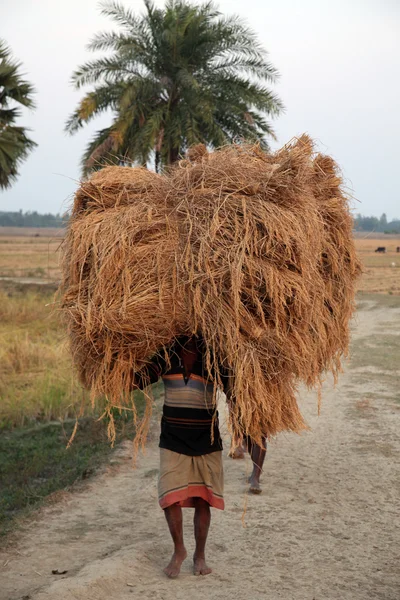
x,y
36,383
30,257
39,396
35,462
40,401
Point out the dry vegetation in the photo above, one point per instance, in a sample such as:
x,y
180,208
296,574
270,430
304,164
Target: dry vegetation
x,y
36,381
252,250
35,372
22,255
39,402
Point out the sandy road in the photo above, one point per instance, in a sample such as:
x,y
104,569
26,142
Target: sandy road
x,y
325,528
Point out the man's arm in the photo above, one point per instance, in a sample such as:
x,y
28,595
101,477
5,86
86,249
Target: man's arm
x,y
150,374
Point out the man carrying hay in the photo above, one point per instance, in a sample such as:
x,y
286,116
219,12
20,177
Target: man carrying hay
x,y
191,472
253,249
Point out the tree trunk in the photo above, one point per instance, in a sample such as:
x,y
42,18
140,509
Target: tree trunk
x,y
173,155
157,149
157,161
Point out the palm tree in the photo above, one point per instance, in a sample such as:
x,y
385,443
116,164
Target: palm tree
x,y
175,77
15,145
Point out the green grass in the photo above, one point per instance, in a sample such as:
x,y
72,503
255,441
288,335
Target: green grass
x,y
36,462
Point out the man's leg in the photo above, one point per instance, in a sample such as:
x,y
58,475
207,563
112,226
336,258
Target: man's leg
x,y
257,454
173,514
202,518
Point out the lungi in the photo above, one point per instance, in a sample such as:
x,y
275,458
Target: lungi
x,y
183,478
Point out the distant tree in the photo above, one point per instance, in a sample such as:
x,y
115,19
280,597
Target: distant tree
x,y
395,224
30,219
176,76
374,224
15,145
366,223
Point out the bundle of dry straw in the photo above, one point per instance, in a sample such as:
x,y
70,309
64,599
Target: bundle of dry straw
x,y
252,251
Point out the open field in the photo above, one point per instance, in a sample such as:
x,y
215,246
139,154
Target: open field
x,y
381,271
37,259
46,232
323,529
30,257
375,235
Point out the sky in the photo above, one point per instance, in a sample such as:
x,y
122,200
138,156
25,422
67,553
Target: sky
x,y
339,65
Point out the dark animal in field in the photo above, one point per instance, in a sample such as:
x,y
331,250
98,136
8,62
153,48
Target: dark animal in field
x,y
380,249
398,249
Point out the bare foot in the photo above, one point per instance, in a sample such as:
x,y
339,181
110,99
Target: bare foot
x,y
255,487
200,567
173,568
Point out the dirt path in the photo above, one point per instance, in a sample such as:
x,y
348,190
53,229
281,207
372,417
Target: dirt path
x,y
324,528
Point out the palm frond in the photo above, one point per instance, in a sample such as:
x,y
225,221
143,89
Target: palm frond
x,y
15,144
99,152
110,70
119,14
102,98
108,40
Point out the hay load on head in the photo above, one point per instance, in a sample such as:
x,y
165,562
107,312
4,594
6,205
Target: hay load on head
x,y
252,251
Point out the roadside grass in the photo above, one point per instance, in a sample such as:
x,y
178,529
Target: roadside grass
x,y
375,359
37,461
40,401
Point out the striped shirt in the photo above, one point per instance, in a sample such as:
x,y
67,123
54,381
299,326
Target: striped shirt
x,y
189,423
